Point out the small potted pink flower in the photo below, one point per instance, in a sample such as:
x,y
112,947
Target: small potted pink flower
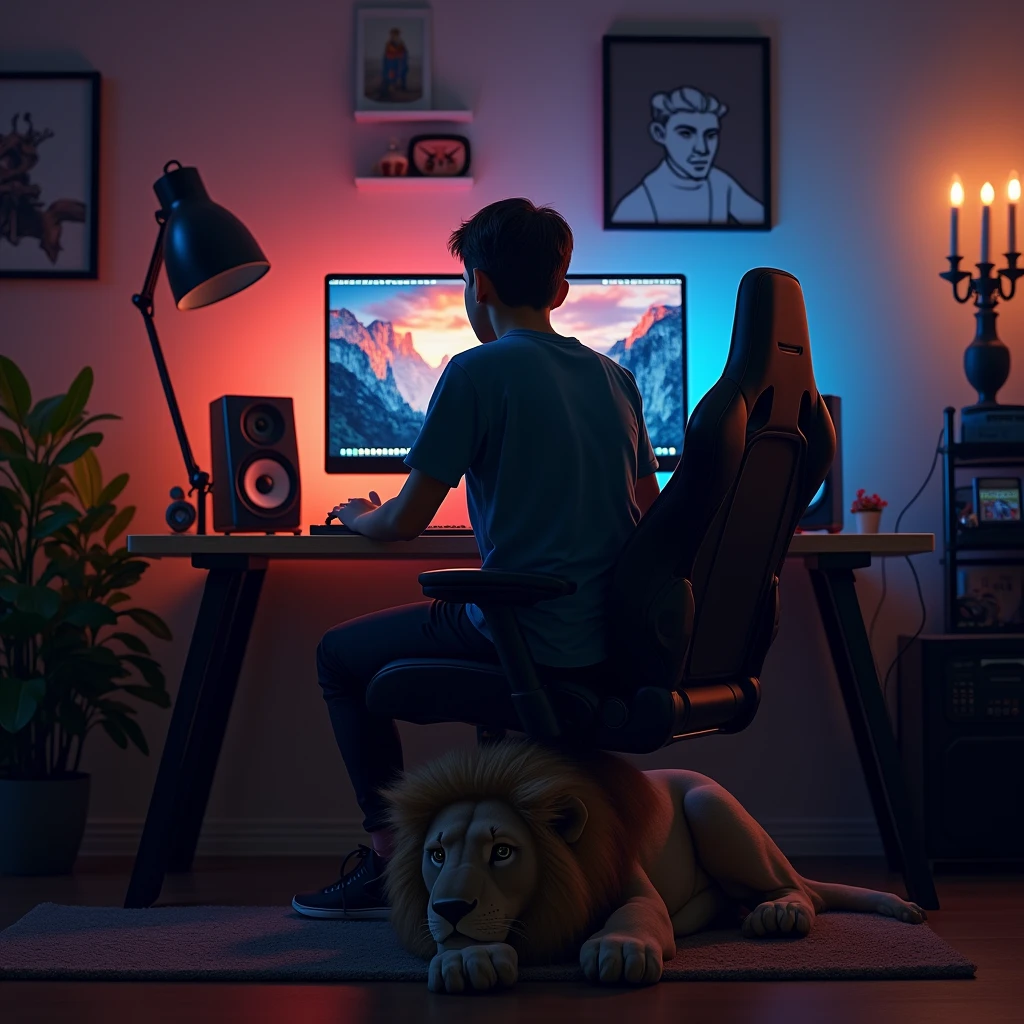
x,y
867,510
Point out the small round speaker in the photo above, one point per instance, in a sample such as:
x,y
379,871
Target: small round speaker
x,y
262,424
180,514
266,485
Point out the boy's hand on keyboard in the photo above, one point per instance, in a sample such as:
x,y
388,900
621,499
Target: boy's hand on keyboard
x,y
348,512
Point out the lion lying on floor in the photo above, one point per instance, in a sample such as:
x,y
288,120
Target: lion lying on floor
x,y
514,852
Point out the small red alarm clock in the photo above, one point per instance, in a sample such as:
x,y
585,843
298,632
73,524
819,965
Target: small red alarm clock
x,y
439,156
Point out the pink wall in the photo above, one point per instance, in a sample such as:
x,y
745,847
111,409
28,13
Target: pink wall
x,y
875,108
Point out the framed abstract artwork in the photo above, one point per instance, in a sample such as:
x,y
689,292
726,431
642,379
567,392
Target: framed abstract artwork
x,y
49,174
393,58
687,133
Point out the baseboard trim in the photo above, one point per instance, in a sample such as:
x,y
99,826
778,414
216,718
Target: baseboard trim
x,y
234,837
311,837
825,837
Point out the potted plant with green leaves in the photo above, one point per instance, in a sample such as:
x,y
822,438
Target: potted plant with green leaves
x,y
71,658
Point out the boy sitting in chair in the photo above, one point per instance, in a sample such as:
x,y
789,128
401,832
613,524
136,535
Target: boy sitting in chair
x,y
559,469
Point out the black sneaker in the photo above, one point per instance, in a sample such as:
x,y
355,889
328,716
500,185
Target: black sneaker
x,y
358,895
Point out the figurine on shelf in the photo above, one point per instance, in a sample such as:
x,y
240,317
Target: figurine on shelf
x,y
966,517
393,164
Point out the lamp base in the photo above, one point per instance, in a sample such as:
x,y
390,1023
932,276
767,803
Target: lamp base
x,y
992,423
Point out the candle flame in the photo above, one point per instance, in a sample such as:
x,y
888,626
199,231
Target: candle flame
x,y
956,193
988,193
1013,187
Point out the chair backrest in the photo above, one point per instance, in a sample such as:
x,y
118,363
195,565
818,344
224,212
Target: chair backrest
x,y
695,590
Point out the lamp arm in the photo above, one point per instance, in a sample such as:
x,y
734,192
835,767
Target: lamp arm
x,y
143,301
156,261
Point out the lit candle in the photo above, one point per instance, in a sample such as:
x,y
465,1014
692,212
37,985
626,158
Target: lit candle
x,y
1013,194
956,199
988,194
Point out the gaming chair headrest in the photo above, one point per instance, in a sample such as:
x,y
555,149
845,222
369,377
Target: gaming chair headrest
x,y
770,341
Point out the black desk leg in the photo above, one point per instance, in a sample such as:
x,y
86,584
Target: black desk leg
x,y
213,623
834,587
209,726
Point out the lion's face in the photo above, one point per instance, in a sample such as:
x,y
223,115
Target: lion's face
x,y
512,842
480,868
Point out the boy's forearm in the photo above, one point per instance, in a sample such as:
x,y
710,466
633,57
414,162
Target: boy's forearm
x,y
383,523
408,514
647,490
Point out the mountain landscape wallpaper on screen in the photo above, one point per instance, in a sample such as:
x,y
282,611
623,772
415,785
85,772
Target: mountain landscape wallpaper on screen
x,y
652,353
380,382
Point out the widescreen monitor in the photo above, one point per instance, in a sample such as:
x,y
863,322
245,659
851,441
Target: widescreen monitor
x,y
388,339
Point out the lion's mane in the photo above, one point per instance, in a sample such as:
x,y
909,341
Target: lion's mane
x,y
578,886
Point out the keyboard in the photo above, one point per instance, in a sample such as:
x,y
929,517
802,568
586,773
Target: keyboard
x,y
337,530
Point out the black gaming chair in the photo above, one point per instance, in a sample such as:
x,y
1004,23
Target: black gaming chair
x,y
693,599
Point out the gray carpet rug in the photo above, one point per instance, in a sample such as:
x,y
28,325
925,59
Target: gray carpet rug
x,y
275,944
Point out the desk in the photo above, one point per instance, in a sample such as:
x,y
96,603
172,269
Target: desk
x,y
236,566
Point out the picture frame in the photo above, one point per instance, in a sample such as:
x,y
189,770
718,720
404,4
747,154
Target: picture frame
x,y
393,59
997,500
439,156
49,206
990,598
687,133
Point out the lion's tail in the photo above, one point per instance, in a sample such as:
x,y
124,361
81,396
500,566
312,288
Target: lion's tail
x,y
834,896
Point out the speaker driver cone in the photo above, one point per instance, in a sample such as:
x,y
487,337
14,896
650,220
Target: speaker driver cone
x,y
262,424
266,485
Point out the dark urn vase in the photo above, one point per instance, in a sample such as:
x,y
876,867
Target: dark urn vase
x,y
986,359
41,824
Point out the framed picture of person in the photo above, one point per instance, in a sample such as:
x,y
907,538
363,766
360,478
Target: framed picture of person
x,y
687,133
49,173
393,58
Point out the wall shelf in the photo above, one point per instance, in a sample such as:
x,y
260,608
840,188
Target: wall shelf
x,y
998,537
986,453
398,116
414,184
1002,542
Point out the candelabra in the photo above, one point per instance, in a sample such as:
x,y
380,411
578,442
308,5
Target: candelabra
x,y
987,359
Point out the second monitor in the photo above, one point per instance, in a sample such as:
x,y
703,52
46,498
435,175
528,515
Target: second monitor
x,y
388,339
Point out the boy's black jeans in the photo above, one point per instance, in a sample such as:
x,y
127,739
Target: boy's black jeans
x,y
348,657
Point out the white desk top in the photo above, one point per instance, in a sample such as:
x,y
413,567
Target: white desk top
x,y
285,545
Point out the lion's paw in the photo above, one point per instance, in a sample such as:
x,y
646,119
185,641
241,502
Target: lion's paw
x,y
613,959
474,968
890,905
786,916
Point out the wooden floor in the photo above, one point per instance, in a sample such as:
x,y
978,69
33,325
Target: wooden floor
x,y
983,917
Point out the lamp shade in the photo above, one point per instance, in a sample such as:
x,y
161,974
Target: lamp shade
x,y
208,252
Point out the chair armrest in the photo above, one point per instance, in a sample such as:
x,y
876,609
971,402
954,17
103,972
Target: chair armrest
x,y
493,586
497,594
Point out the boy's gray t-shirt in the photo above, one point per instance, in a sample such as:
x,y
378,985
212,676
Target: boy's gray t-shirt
x,y
551,438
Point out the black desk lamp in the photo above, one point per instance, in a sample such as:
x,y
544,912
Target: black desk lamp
x,y
209,254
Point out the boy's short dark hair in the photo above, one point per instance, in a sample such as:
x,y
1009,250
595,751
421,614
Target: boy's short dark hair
x,y
524,250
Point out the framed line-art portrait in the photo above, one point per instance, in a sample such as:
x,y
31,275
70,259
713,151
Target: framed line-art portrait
x,y
393,58
687,133
49,173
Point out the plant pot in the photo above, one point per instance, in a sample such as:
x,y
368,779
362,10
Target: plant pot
x,y
868,522
41,824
